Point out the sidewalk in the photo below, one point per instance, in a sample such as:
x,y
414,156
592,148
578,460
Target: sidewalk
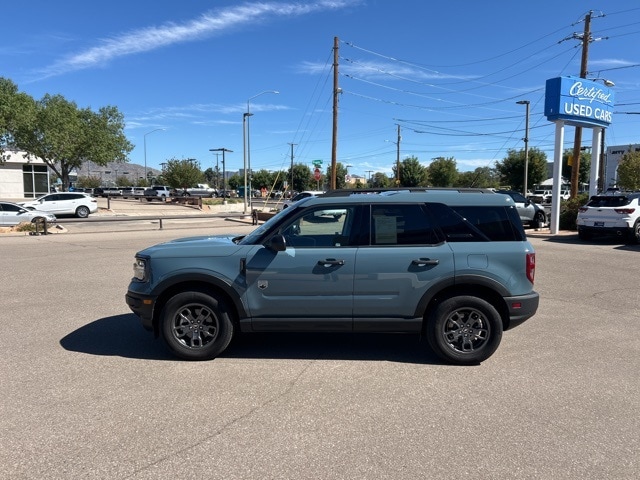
x,y
546,232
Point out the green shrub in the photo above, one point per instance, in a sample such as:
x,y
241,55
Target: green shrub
x,y
569,211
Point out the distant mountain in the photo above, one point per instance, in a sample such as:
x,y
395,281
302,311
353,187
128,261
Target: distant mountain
x,y
108,173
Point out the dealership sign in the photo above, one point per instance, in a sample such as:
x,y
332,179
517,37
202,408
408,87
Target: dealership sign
x,y
579,102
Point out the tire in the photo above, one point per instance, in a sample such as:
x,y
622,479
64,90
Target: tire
x,y
196,326
82,211
464,330
35,220
538,220
634,233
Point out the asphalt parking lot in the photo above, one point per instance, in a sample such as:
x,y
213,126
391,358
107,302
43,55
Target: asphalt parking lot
x,y
87,393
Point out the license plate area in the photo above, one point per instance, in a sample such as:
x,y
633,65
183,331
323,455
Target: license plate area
x,y
598,224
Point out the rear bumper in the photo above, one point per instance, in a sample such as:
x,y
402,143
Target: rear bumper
x,y
620,230
522,308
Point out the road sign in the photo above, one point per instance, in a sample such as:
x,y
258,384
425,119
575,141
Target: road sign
x,y
317,163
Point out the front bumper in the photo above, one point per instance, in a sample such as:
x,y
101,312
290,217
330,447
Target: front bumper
x,y
142,306
522,308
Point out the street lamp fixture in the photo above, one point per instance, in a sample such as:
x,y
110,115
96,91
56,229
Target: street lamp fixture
x,y
145,149
526,103
607,82
247,149
224,175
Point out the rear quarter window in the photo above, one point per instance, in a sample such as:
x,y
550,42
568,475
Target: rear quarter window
x,y
478,223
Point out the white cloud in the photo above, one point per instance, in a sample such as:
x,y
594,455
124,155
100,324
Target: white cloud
x,y
207,25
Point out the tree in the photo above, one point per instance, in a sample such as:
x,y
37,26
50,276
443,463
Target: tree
x,y
17,110
481,177
235,181
341,172
443,172
585,165
89,182
302,177
212,176
412,174
380,180
511,169
64,136
182,173
261,179
629,171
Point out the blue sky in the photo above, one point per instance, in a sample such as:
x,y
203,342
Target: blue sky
x,y
449,73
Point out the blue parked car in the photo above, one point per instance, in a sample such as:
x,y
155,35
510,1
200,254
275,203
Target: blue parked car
x,y
453,266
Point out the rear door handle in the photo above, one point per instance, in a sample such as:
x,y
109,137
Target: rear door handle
x,y
330,262
423,262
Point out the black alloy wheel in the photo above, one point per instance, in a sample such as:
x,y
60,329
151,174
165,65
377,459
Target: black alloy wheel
x,y
464,330
196,325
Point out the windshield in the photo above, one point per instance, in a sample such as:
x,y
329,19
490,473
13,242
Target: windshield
x,y
254,236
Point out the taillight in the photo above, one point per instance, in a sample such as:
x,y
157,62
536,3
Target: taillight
x,y
583,209
531,266
624,211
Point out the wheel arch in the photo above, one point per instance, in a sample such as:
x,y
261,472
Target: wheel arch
x,y
486,292
196,283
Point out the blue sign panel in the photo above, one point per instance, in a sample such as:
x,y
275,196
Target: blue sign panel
x,y
579,102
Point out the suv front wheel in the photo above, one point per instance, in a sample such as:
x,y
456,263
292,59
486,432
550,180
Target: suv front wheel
x,y
464,330
196,326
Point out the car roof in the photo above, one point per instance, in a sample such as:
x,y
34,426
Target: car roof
x,y
459,197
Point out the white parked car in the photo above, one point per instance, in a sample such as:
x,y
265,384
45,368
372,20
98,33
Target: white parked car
x,y
13,214
611,215
64,203
301,195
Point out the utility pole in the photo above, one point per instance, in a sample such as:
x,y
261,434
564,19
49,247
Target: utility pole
x,y
224,173
336,92
575,164
369,172
398,158
291,188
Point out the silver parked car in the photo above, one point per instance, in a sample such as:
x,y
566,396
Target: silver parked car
x,y
64,203
14,214
530,212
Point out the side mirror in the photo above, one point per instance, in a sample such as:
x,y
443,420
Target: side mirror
x,y
277,243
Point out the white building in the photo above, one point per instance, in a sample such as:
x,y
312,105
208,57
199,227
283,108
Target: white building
x,y
613,157
22,177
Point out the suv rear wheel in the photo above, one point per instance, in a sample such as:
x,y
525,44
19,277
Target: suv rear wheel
x,y
196,326
634,233
82,212
464,330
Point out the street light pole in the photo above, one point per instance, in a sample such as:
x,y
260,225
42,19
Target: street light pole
x,y
247,146
526,146
145,150
244,143
224,176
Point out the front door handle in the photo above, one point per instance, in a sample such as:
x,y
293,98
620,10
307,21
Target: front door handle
x,y
330,262
423,262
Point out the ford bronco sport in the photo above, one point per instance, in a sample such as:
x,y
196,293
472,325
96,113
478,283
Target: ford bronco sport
x,y
452,265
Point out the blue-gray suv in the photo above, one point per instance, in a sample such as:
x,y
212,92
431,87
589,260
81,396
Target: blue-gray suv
x,y
452,265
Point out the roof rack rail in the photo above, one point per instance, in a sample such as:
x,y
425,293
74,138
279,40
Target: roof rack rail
x,y
344,192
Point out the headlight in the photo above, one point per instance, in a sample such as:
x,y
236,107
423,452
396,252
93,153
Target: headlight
x,y
140,269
